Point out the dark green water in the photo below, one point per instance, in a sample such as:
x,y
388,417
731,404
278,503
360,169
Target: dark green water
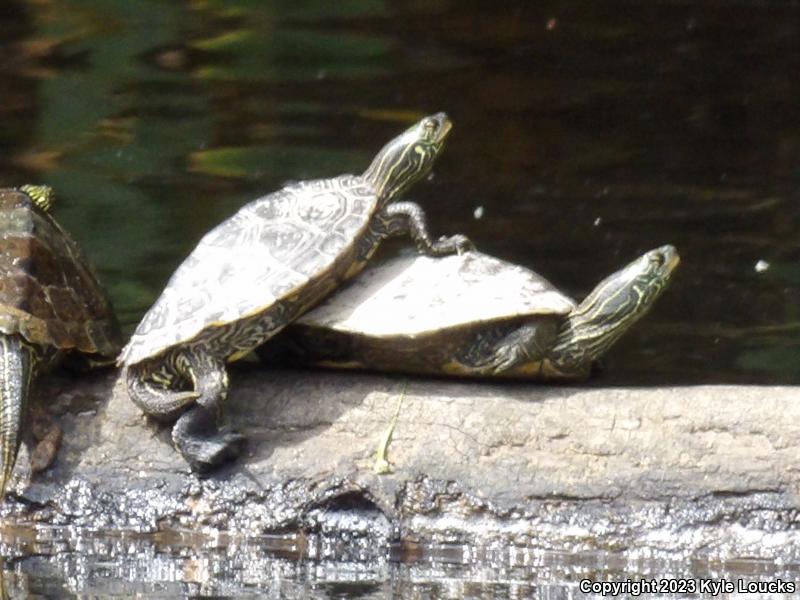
x,y
588,132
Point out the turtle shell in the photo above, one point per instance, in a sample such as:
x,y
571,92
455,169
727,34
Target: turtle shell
x,y
417,296
274,249
48,292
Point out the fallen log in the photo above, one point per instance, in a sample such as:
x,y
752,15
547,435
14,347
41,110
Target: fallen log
x,y
707,472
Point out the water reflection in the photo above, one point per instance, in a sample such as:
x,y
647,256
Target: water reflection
x,y
113,567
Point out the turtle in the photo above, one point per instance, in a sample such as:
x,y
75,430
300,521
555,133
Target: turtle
x,y
51,306
472,315
260,269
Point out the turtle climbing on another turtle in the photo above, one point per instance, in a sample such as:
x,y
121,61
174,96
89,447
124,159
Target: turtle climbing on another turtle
x,y
51,305
472,315
259,270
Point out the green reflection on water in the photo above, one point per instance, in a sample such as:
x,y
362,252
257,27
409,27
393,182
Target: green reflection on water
x,y
273,161
275,41
103,150
586,143
293,54
269,10
126,142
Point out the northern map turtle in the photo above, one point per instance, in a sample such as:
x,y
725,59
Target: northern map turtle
x,y
472,315
51,305
259,270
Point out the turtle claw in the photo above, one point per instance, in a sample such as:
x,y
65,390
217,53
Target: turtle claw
x,y
507,358
458,244
463,244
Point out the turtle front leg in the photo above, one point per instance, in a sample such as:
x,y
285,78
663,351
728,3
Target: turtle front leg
x,y
17,365
400,218
197,434
489,355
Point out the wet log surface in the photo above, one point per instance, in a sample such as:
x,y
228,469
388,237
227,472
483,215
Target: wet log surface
x,y
708,472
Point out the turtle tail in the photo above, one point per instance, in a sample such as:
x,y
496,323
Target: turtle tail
x,y
17,360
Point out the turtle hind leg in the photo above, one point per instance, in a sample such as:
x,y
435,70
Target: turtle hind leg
x,y
155,399
17,361
197,434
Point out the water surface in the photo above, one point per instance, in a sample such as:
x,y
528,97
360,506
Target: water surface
x,y
103,567
587,133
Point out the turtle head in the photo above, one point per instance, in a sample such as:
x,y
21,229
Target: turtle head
x,y
41,195
614,305
408,157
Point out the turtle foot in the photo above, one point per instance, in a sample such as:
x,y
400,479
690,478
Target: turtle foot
x,y
454,244
208,453
202,443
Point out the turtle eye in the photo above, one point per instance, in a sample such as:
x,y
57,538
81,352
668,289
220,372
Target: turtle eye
x,y
429,127
658,259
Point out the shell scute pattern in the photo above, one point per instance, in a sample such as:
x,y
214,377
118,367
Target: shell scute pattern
x,y
261,256
427,294
48,292
13,293
65,303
